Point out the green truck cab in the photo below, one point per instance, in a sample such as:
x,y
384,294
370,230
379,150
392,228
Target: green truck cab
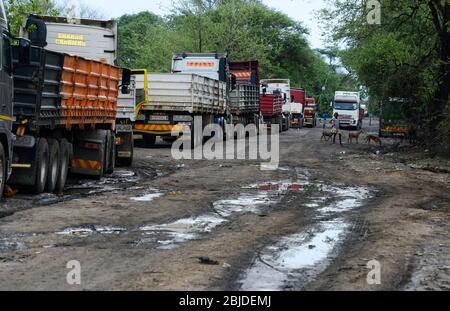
x,y
393,120
6,100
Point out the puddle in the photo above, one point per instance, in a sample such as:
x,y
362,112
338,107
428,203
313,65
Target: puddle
x,y
246,203
10,245
168,236
148,197
345,198
180,231
294,259
84,232
106,184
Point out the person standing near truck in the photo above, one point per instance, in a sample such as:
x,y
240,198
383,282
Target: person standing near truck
x,y
335,128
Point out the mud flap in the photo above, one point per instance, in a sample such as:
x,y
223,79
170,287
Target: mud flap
x,y
24,164
89,153
124,146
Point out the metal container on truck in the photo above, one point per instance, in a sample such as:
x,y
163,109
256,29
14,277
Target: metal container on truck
x,y
65,110
244,94
271,106
283,87
6,104
298,101
174,100
96,40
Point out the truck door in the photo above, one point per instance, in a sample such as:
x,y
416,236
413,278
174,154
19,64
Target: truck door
x,y
6,83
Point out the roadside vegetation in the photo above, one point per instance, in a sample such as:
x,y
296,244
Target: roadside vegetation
x,y
406,56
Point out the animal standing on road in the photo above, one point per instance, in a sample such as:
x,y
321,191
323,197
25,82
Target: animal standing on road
x,y
354,136
327,135
373,138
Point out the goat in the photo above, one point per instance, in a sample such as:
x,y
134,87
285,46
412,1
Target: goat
x,y
354,135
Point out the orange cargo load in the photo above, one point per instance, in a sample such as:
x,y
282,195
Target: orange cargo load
x,y
89,91
58,89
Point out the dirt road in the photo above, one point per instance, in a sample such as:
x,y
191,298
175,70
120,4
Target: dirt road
x,y
313,224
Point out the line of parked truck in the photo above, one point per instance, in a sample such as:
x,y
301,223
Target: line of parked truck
x,y
67,107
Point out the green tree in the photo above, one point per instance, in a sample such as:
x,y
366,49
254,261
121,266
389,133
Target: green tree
x,y
17,9
407,56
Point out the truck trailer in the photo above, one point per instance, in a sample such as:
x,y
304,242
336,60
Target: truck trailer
x,y
310,112
283,87
64,115
298,102
96,40
272,109
244,93
174,101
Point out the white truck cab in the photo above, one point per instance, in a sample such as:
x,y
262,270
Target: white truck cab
x,y
348,106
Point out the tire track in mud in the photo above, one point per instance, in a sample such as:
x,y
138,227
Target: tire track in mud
x,y
293,261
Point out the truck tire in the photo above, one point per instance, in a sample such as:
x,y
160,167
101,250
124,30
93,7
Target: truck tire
x,y
110,154
66,155
2,170
148,140
53,166
280,123
41,166
102,156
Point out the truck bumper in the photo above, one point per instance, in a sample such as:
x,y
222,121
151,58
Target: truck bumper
x,y
157,129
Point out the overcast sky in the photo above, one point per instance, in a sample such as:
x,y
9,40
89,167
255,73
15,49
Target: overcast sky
x,y
301,10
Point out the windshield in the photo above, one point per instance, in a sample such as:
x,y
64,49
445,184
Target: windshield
x,y
345,106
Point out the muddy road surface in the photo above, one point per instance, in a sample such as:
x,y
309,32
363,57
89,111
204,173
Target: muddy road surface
x,y
313,224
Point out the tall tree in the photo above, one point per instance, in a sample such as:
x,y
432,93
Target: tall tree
x,y
407,55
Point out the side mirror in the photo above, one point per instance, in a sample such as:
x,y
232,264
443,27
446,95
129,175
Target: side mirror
x,y
126,81
24,51
126,77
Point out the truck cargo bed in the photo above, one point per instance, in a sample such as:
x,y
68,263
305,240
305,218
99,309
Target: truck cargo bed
x,y
57,89
185,93
244,99
271,105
